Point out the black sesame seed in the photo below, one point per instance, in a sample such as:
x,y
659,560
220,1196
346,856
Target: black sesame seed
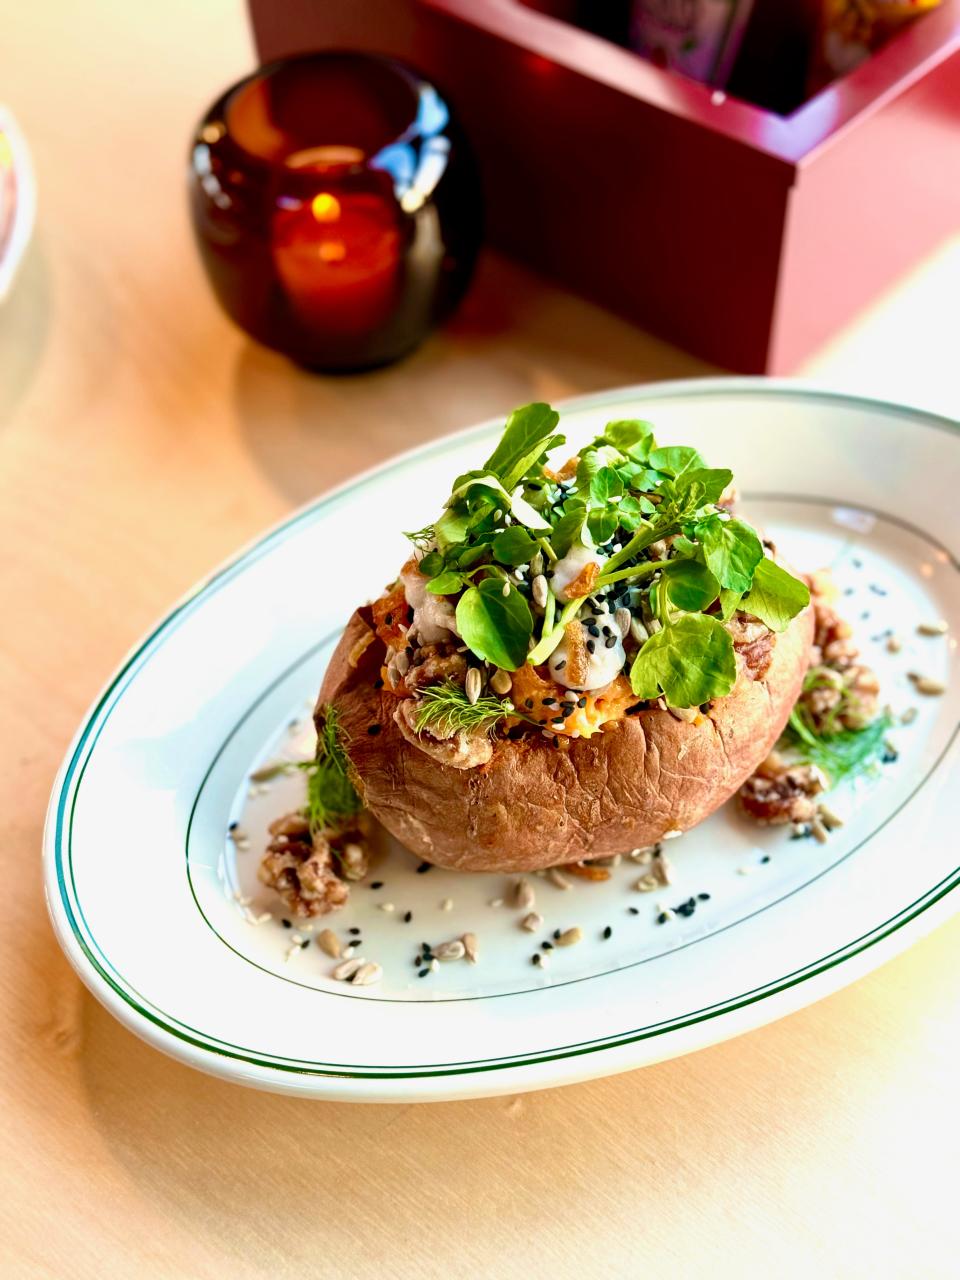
x,y
408,917
232,826
560,665
548,702
515,733
610,641
378,683
703,897
354,930
418,960
529,704
556,934
608,932
594,630
803,834
423,868
423,973
662,918
376,884
389,619
285,923
634,911
606,630
765,858
536,958
373,730
547,945
591,647
581,702
889,755
557,720
556,741
304,943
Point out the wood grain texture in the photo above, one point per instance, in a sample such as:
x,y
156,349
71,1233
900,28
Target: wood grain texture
x,y
142,439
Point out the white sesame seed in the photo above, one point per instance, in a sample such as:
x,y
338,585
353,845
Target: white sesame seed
x,y
387,906
672,833
446,904
434,965
495,902
506,588
745,870
909,715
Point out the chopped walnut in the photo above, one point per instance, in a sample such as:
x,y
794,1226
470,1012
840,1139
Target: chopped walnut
x,y
753,642
304,870
458,749
433,663
779,793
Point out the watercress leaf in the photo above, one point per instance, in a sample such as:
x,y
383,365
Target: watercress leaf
x,y
514,546
469,557
710,482
588,466
631,436
632,510
525,514
690,585
447,583
431,564
682,546
604,485
568,528
731,549
452,527
775,596
675,459
729,600
477,486
602,525
639,478
691,661
496,627
527,435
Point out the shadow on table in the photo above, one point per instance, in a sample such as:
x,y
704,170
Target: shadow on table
x,y
515,339
24,328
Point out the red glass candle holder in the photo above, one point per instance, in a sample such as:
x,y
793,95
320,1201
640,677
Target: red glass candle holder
x,y
336,206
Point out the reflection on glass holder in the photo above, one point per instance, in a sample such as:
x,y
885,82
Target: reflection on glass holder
x,y
336,207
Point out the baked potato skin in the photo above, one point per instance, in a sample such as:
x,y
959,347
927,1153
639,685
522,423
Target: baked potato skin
x,y
535,806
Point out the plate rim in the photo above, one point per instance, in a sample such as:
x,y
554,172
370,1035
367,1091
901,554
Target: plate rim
x,y
446,1080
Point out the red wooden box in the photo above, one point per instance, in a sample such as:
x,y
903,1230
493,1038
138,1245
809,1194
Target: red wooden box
x,y
742,235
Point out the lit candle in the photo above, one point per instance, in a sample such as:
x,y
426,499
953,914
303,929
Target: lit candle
x,y
338,256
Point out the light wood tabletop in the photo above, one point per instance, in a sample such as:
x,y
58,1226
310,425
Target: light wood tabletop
x,y
142,439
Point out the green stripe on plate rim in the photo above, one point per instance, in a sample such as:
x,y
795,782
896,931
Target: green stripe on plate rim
x,y
93,725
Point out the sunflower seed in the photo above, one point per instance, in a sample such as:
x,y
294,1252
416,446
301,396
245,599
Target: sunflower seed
x,y
623,617
501,682
367,974
506,588
558,879
453,950
539,590
646,883
523,896
570,937
638,631
829,819
532,922
938,628
402,662
923,684
472,685
329,942
471,947
343,972
820,833
613,861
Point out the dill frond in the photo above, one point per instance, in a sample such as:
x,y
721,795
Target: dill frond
x,y
447,708
331,796
842,753
422,538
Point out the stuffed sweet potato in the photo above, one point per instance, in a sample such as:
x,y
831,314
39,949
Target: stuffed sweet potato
x,y
572,663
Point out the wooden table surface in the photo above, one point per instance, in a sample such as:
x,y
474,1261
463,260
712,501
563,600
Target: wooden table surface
x,y
141,439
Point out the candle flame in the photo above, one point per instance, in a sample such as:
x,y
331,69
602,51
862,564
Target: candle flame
x,y
325,207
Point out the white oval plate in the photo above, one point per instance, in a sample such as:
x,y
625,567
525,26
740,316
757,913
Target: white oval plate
x,y
149,895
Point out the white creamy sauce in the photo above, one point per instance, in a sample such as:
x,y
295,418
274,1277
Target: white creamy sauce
x,y
603,665
570,566
434,617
